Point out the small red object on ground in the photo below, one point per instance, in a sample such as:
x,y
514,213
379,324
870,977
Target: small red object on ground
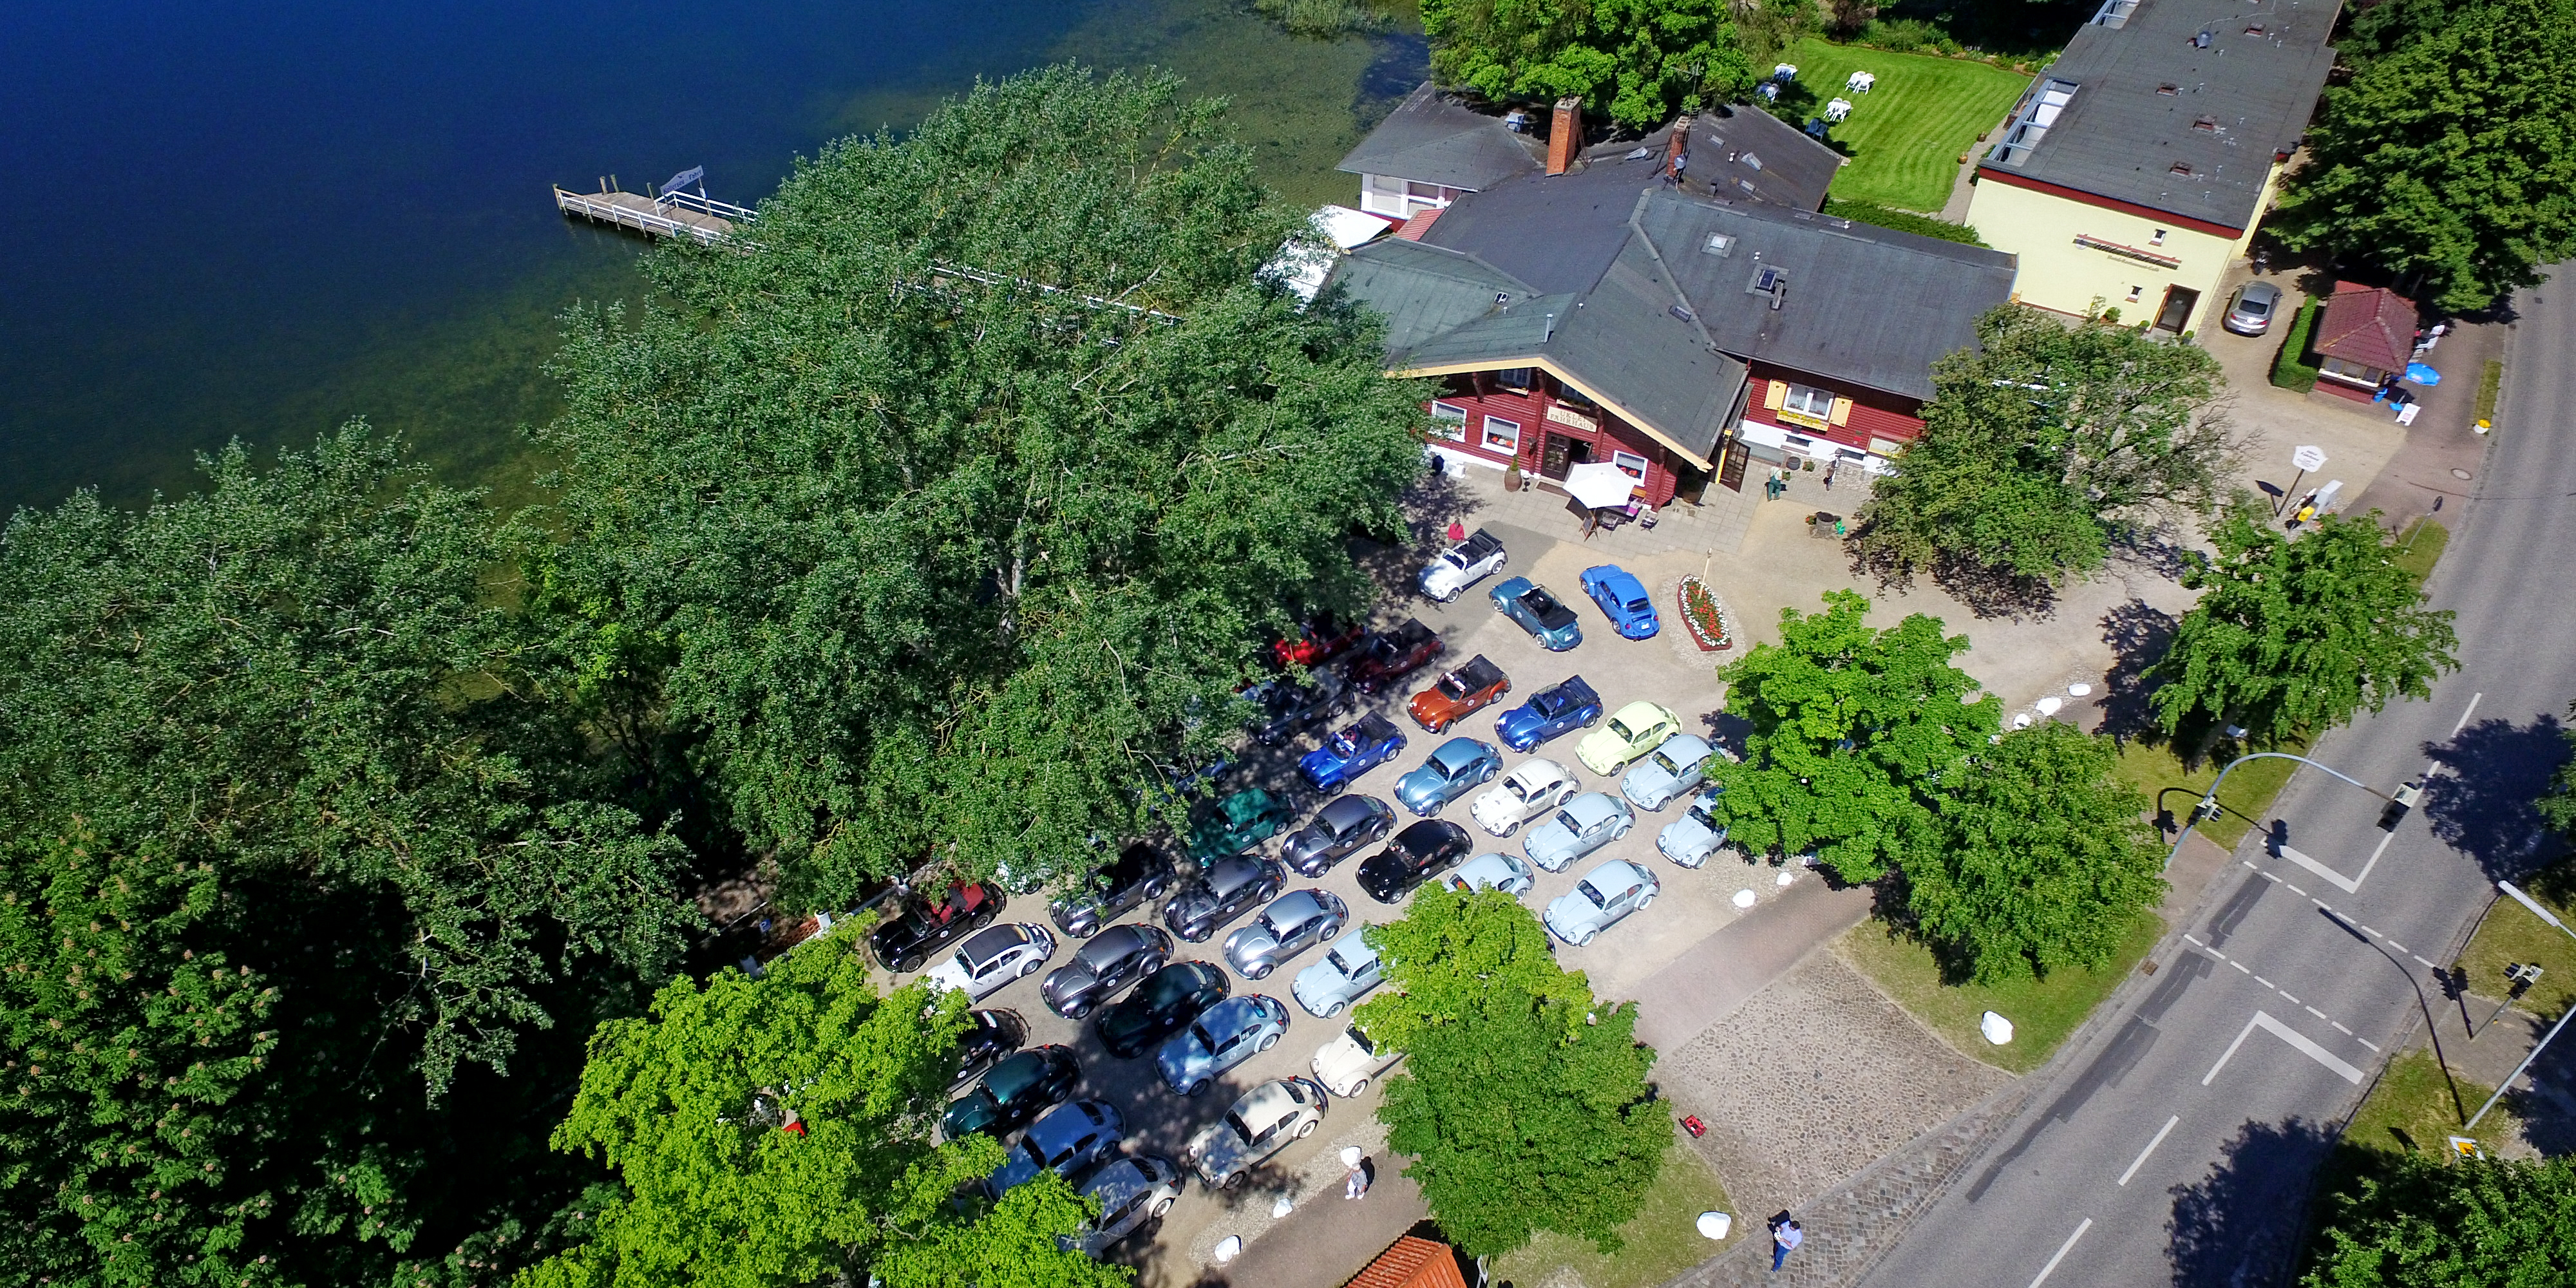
x,y
1692,1124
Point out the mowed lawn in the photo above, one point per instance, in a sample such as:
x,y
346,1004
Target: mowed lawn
x,y
1905,135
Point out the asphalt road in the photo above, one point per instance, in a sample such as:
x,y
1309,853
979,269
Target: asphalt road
x,y
2177,1145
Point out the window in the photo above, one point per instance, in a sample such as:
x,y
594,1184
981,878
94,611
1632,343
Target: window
x,y
2135,292
1450,420
2181,169
1808,402
1517,378
1574,398
1423,191
2158,239
1630,464
1717,244
1502,435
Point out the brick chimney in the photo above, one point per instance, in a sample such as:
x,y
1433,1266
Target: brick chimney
x,y
1565,135
1673,162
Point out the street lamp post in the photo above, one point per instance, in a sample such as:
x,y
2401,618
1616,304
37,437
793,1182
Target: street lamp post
x,y
2208,806
2542,913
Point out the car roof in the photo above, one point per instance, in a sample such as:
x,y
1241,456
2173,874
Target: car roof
x,y
1113,1184
1373,727
1488,863
1342,811
1690,743
1060,1124
994,941
1244,804
1113,943
1239,1009
1640,712
1296,905
1423,835
1615,577
1458,751
1269,1099
1234,870
1546,771
1478,672
1591,806
1619,872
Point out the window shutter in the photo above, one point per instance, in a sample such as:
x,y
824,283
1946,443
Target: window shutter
x,y
1776,395
1842,411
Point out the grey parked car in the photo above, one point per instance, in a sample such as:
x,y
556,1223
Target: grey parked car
x,y
1668,772
1455,768
1605,895
1065,1140
1588,822
1339,830
1229,888
1133,1192
1349,970
1300,920
1108,962
1223,1036
1260,1125
1690,839
2250,313
1140,874
1492,872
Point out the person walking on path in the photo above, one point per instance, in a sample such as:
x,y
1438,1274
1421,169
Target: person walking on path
x,y
1786,1235
1457,532
1355,1184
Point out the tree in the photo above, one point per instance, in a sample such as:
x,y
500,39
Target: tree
x,y
2044,445
2451,157
2294,636
297,860
1522,1101
1641,59
1854,733
2475,1223
2044,859
926,521
692,1108
2557,804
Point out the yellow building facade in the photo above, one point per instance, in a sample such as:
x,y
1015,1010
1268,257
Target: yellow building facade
x,y
2080,255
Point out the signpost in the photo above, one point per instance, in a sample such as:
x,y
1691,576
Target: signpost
x,y
2306,459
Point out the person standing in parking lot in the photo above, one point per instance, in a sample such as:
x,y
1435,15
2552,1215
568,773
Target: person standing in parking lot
x,y
1355,1184
1786,1235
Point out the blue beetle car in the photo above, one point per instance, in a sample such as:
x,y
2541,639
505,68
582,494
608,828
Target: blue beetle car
x,y
1368,742
1543,615
1623,600
1223,1036
1459,764
1549,712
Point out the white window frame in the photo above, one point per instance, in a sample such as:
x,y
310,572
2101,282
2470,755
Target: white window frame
x,y
1807,400
1509,433
1451,421
1520,380
1622,462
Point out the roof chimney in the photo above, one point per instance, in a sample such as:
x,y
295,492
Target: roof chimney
x,y
1675,155
1565,135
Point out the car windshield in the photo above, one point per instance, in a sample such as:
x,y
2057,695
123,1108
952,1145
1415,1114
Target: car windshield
x,y
1666,764
1335,958
1550,703
1700,813
1639,605
1456,558
1205,1039
1012,1077
1520,791
1585,888
1361,1040
1235,1125
1345,745
1453,685
1276,929
1620,730
2256,307
1565,819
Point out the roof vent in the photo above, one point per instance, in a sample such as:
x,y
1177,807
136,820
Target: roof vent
x,y
2181,169
2253,29
2201,41
2206,125
1717,244
2168,90
1682,313
1751,160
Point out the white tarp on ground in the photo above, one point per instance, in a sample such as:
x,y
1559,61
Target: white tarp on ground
x,y
1600,485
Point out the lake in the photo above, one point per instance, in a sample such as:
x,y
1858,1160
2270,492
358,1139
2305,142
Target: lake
x,y
256,221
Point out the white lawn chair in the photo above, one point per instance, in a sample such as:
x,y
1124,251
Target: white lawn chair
x,y
1784,73
1838,109
1769,90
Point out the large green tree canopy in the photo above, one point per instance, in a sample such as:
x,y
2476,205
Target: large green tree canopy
x,y
1522,1101
2452,153
2295,635
1854,730
937,510
2478,1223
1638,60
295,855
2043,445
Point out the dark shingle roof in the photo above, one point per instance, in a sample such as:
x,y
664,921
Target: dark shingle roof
x,y
1788,168
1424,291
1431,139
1865,304
1555,232
2148,98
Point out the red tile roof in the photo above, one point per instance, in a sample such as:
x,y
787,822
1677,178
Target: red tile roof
x,y
2369,325
1411,1263
1421,223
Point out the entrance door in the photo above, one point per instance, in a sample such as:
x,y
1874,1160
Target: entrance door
x,y
1561,454
2179,302
1730,471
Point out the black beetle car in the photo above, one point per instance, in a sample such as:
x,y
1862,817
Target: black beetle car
x,y
1228,889
1338,831
924,926
1112,960
1018,1089
1417,854
1141,873
1283,708
1168,999
989,1037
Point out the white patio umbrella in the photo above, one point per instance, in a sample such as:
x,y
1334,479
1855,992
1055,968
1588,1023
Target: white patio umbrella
x,y
1599,485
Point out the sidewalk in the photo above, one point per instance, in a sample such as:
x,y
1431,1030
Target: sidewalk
x,y
1706,983
1329,1238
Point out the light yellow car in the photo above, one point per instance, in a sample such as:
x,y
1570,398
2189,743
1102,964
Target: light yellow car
x,y
1640,727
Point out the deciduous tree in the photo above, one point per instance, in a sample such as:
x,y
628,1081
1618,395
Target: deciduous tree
x,y
1640,60
2044,857
2451,157
1854,732
2293,636
2044,445
2413,1222
932,513
1522,1101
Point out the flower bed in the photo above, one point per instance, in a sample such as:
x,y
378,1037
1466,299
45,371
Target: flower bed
x,y
1705,617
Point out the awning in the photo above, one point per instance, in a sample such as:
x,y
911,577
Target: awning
x,y
1600,485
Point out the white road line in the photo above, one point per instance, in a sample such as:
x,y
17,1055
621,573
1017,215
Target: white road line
x,y
2376,851
2371,931
2339,1028
2237,964
2271,878
2263,1020
2464,716
2319,902
2192,940
2367,1042
2394,944
2340,881
2310,1009
2266,983
2299,892
2285,996
2141,1159
2419,959
2062,1250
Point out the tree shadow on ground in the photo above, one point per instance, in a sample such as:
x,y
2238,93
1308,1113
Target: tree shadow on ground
x,y
2138,634
2546,1102
1988,592
2241,1223
1392,559
2483,805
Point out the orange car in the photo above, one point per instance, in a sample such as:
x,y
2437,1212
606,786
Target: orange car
x,y
1459,693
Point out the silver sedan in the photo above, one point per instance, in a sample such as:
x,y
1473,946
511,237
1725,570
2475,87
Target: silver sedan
x,y
1293,923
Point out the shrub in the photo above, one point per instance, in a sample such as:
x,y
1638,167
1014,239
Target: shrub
x,y
1904,221
1906,36
2292,370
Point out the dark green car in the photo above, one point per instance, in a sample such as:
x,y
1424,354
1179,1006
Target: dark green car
x,y
1168,999
1017,1090
1239,822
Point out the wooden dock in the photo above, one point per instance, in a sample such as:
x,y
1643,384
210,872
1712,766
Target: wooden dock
x,y
674,214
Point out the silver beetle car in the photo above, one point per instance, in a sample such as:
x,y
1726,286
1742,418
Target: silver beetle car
x,y
1293,923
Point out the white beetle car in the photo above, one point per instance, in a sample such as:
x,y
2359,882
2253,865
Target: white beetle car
x,y
992,957
1346,1063
1536,787
1462,565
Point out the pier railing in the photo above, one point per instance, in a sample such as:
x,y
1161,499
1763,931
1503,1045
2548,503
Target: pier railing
x,y
676,214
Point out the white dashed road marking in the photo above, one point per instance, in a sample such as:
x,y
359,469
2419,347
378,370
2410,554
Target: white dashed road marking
x,y
2062,1250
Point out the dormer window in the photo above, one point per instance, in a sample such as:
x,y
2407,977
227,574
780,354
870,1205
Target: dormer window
x,y
2253,29
2168,90
2181,169
2206,125
2158,239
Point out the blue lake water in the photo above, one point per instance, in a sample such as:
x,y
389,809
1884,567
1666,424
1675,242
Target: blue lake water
x,y
257,220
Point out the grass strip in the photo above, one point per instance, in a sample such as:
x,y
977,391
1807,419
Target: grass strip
x,y
2420,546
2510,934
2043,1011
2490,381
2170,787
1660,1242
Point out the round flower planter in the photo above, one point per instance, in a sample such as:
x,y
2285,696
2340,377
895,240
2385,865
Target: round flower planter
x,y
1704,616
